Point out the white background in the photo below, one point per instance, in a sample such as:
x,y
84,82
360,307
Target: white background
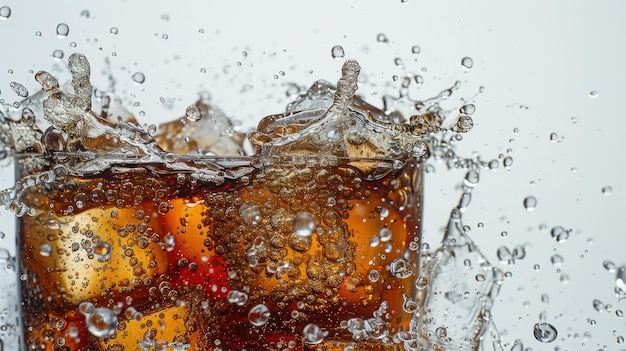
x,y
537,61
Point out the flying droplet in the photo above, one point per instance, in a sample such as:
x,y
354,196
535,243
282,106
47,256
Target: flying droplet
x,y
544,332
467,62
554,137
19,89
139,78
559,234
416,49
303,224
594,94
114,30
337,52
57,54
193,113
530,202
5,12
62,30
607,190
259,315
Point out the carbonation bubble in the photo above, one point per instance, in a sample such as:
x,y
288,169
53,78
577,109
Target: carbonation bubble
x,y
57,54
467,62
507,162
5,12
45,249
303,224
259,315
465,123
337,52
544,332
559,234
609,266
102,322
19,89
607,190
102,251
401,268
416,49
530,202
139,78
313,334
556,260
62,30
385,234
193,113
554,137
114,30
421,282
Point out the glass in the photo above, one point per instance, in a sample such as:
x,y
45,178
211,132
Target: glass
x,y
297,252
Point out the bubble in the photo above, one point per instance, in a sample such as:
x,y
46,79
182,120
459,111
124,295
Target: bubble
x,y
337,52
385,234
465,123
619,313
467,62
530,202
101,322
607,190
19,89
5,12
139,78
114,30
58,54
38,33
507,162
193,113
102,251
416,49
559,234
45,249
259,315
504,254
303,224
313,334
441,332
554,137
620,278
62,30
401,268
544,332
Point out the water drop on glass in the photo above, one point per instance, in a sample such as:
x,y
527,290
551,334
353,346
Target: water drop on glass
x,y
607,190
5,12
337,52
114,30
619,313
139,78
193,113
62,30
303,224
416,49
530,202
467,62
259,315
544,332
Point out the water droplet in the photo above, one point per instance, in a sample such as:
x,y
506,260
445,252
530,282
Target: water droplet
x,y
102,251
416,49
303,224
530,202
57,54
401,268
607,190
468,109
313,334
19,89
471,178
467,62
382,38
62,30
193,113
139,78
556,260
619,339
554,137
559,234
544,332
114,30
464,124
337,52
259,315
101,322
594,94
5,12
507,162
373,276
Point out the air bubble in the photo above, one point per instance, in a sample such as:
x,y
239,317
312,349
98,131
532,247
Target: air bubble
x,y
62,30
259,315
337,52
530,202
303,224
401,268
45,249
193,113
373,276
382,38
139,78
5,12
467,62
544,332
385,234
